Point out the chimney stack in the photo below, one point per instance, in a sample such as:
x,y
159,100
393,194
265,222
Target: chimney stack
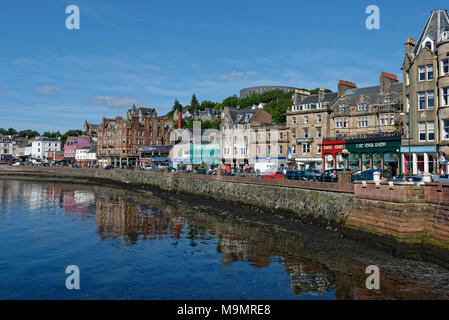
x,y
179,117
299,96
386,80
409,45
321,94
345,85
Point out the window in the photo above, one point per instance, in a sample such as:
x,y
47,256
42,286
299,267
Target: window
x,y
422,131
268,150
294,134
445,129
421,100
318,148
430,100
345,124
306,148
306,133
294,120
407,78
392,119
306,119
318,132
293,149
429,72
422,73
445,96
428,44
269,136
280,149
430,131
445,66
318,118
407,102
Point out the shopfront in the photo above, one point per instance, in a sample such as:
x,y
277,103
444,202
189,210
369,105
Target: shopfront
x,y
420,159
373,153
332,154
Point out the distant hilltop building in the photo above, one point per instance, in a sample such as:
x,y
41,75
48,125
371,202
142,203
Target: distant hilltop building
x,y
261,89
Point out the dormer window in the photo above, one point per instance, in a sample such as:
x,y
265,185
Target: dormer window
x,y
428,42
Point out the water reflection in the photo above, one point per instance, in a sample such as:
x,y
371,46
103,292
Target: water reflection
x,y
313,264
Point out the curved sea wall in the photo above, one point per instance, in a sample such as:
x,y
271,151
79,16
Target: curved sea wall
x,y
329,203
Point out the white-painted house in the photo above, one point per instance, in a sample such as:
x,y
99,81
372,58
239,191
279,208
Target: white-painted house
x,y
40,146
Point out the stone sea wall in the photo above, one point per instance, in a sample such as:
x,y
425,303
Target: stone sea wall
x,y
329,203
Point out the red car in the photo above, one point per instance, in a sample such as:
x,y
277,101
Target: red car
x,y
277,176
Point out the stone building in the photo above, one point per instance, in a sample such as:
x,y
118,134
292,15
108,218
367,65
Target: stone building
x,y
308,122
89,128
425,143
365,120
120,139
269,147
235,128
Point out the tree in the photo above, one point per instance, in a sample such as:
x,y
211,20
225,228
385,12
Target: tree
x,y
231,102
28,133
194,102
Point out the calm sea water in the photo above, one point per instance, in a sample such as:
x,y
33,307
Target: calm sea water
x,y
138,245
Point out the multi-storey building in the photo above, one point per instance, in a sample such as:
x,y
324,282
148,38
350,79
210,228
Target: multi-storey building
x,y
73,144
425,143
120,140
44,148
269,147
5,148
308,122
235,128
364,120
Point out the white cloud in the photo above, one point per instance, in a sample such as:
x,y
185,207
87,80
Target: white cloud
x,y
235,75
46,90
114,102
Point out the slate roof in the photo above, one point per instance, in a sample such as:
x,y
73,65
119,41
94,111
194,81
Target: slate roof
x,y
243,115
328,97
436,23
372,93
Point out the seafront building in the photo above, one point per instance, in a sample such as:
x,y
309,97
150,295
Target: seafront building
x,y
236,127
425,140
44,148
120,139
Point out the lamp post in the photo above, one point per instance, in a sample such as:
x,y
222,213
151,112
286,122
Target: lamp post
x,y
409,138
345,154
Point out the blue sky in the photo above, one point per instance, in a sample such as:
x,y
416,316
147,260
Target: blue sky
x,y
151,52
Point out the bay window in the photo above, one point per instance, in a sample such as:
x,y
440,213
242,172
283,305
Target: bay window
x,y
445,129
445,96
444,67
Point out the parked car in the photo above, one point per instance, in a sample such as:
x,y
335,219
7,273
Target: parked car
x,y
109,167
278,175
367,175
213,172
294,175
15,164
310,174
330,175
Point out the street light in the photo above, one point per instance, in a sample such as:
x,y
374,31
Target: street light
x,y
409,137
345,154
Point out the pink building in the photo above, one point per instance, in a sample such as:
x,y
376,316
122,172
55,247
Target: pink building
x,y
74,143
